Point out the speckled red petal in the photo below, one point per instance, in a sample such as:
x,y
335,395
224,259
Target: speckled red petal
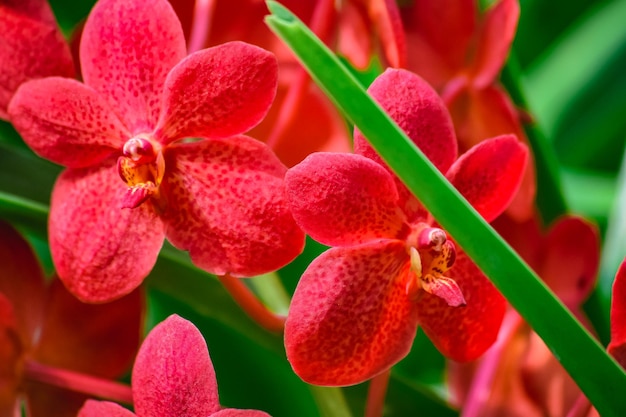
x,y
438,36
21,281
418,110
173,375
490,173
617,347
97,339
127,49
571,259
227,206
350,317
463,333
494,41
103,409
344,199
218,92
32,47
66,121
101,251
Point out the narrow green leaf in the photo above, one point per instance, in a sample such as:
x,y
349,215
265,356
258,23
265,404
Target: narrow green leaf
x,y
597,374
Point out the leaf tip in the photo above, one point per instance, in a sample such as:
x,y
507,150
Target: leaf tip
x,y
279,12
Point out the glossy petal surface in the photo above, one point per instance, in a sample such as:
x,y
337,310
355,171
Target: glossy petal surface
x,y
103,409
173,375
127,49
463,333
344,199
350,318
66,121
218,92
617,347
489,174
95,339
227,207
118,247
31,47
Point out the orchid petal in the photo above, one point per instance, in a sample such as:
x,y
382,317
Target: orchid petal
x,y
173,375
546,382
419,111
494,41
350,318
101,251
617,347
31,47
438,36
463,333
231,412
21,282
127,49
386,17
489,174
344,199
227,206
103,409
218,92
95,339
66,121
481,114
11,351
571,260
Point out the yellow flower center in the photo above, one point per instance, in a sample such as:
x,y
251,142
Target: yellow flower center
x,y
141,166
432,255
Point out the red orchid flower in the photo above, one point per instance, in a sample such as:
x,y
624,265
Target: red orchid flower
x,y
173,377
45,331
460,54
302,120
31,46
617,347
138,116
519,376
357,306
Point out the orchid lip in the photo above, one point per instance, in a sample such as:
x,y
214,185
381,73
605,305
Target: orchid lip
x,y
431,256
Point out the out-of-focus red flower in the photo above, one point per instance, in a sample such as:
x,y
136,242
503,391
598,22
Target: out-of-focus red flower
x,y
460,53
138,115
357,307
519,376
42,324
173,377
31,46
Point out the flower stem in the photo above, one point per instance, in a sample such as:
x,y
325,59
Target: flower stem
x,y
75,381
201,25
251,304
376,394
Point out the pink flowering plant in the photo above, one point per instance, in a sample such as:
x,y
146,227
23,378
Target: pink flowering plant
x,y
454,167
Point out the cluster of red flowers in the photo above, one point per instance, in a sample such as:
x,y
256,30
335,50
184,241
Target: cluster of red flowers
x,y
164,141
